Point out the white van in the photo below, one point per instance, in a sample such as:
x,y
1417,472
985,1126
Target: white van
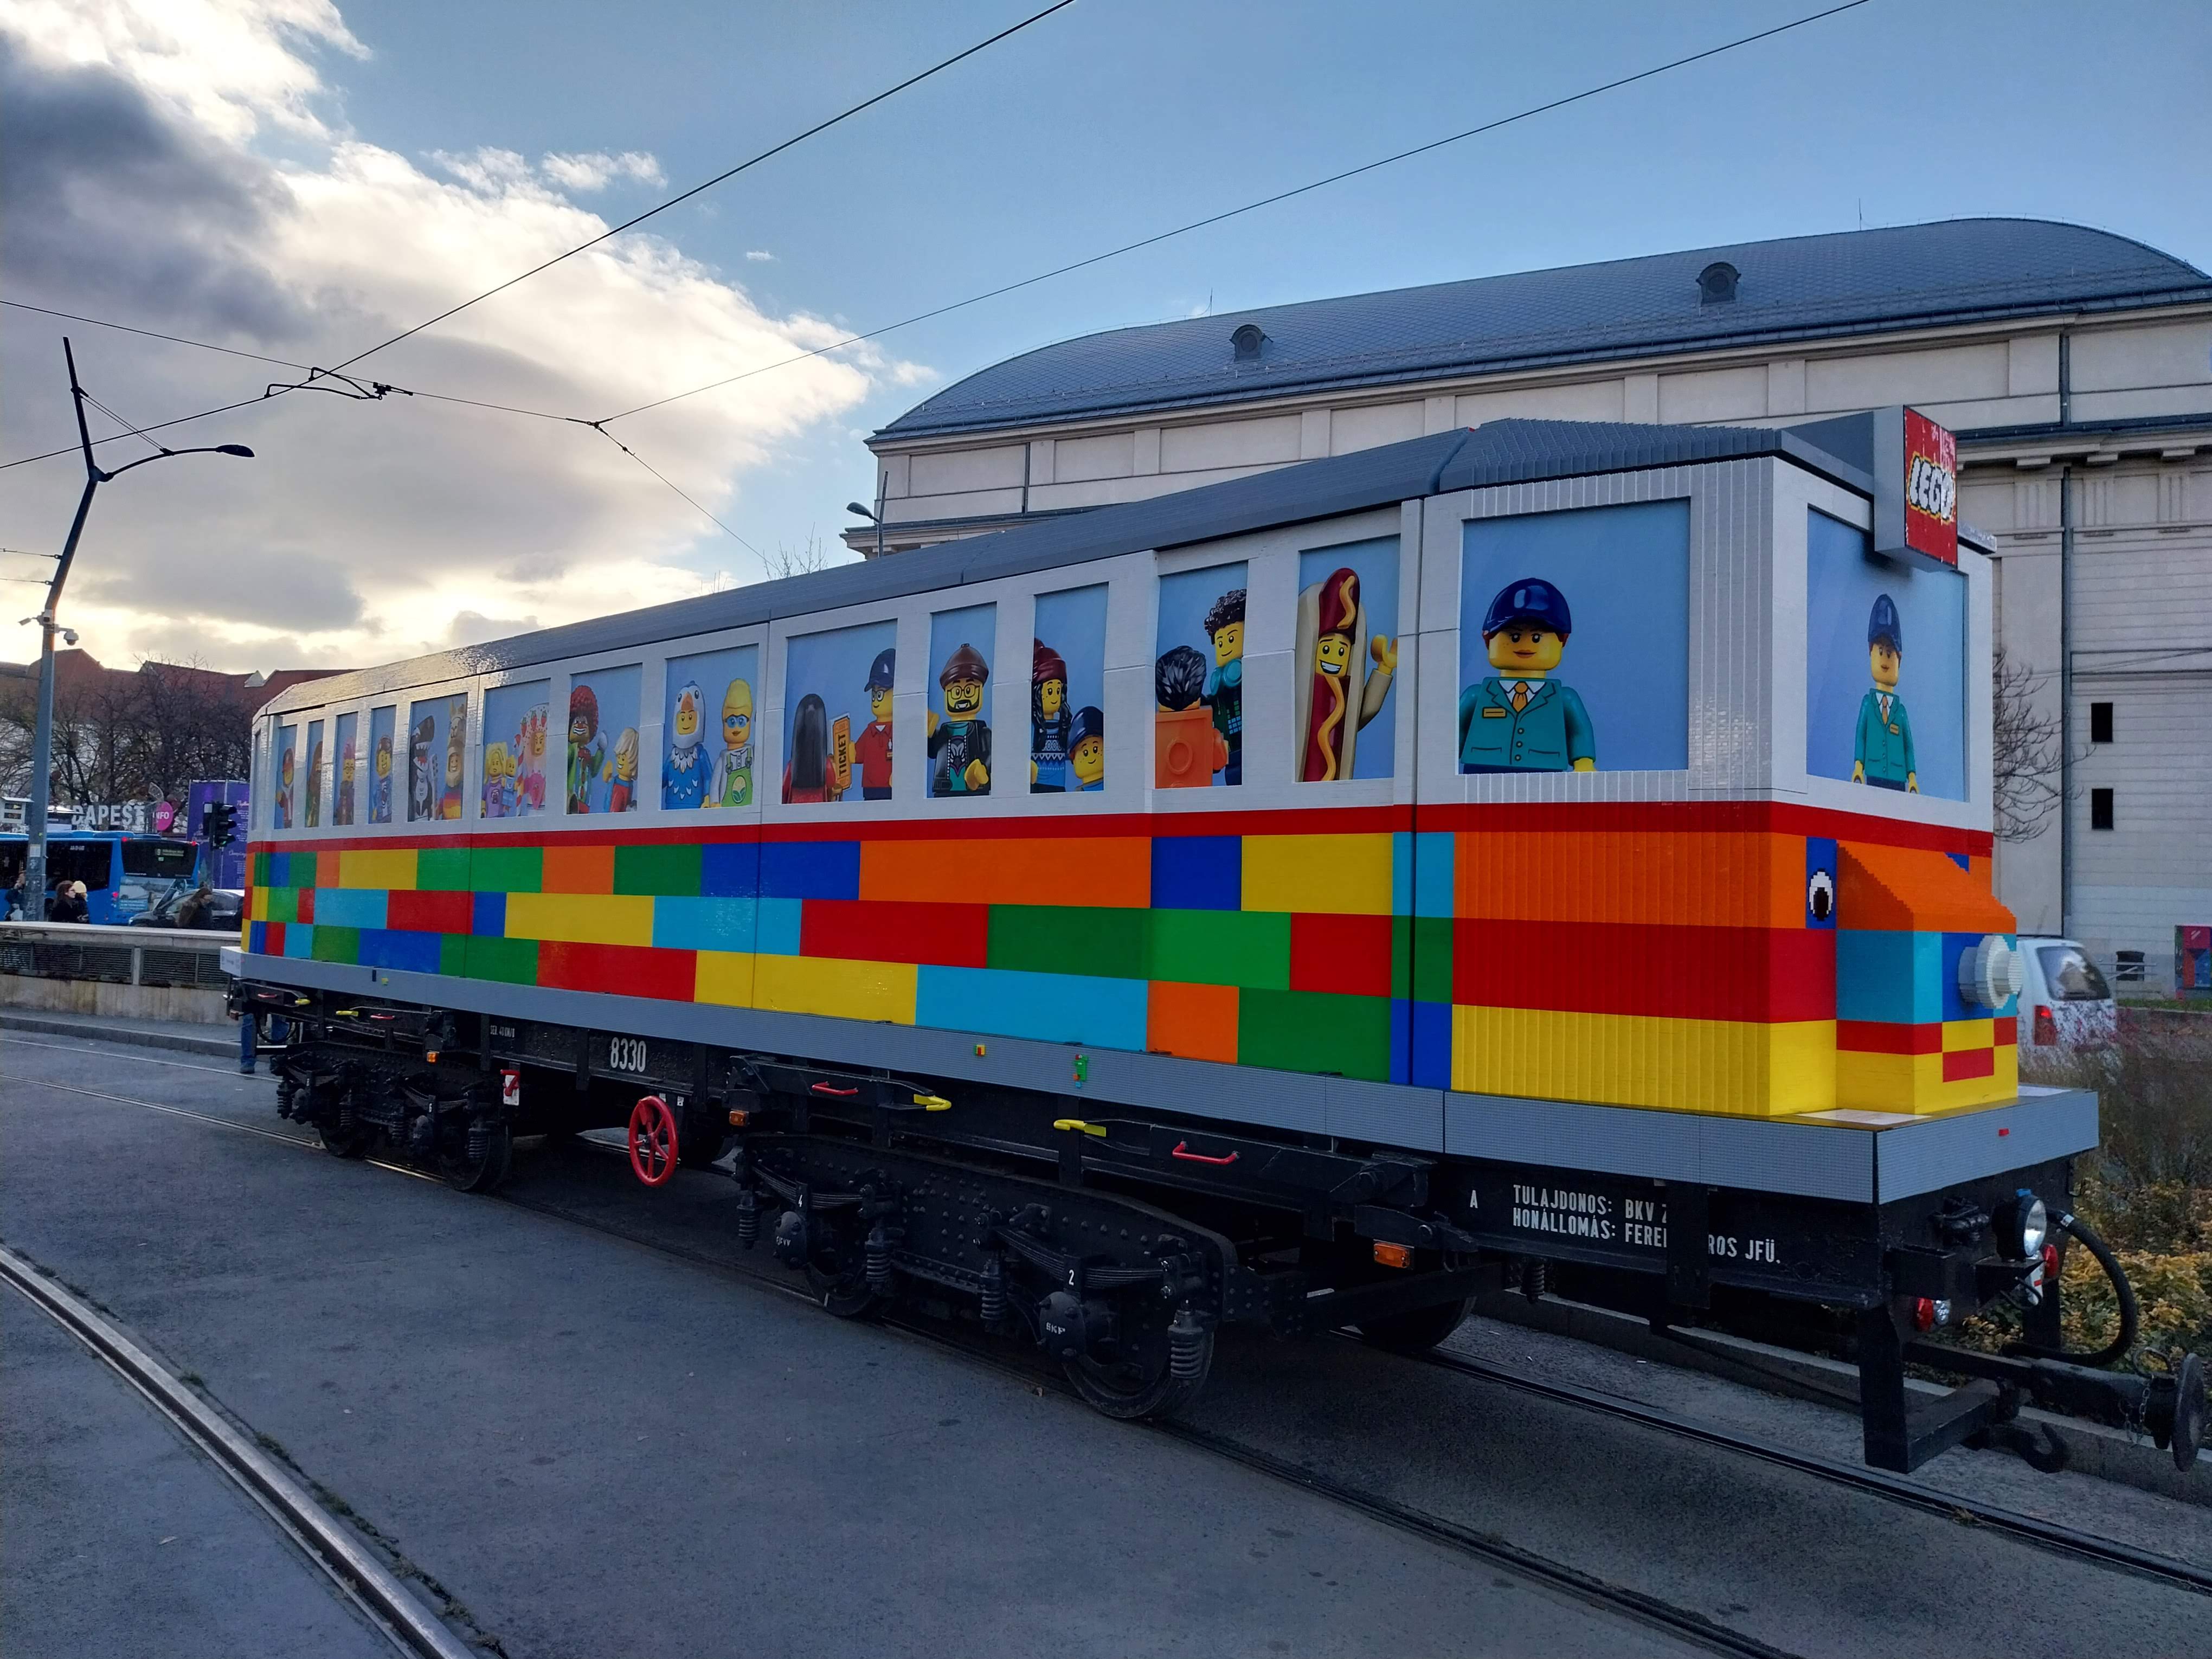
x,y
2065,1006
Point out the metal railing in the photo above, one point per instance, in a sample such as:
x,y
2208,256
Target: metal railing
x,y
120,955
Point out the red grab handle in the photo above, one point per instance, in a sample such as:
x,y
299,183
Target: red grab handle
x,y
827,1089
1182,1152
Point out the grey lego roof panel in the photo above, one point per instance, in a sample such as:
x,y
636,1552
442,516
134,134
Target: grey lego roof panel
x,y
1796,288
1498,452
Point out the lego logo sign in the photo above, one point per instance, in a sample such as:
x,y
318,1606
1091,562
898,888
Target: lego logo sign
x,y
1931,489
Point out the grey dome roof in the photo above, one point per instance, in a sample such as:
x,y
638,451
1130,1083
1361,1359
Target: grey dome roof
x,y
1956,270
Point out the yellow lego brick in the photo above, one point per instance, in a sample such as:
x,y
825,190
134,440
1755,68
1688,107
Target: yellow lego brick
x,y
256,908
391,868
724,977
1332,875
580,918
1968,1034
1740,1068
835,987
1915,1083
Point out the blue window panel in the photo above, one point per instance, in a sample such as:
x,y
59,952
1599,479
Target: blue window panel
x,y
488,919
775,927
256,938
706,924
730,870
1434,865
300,940
811,869
1198,872
1892,977
1430,1066
399,949
1100,1013
349,907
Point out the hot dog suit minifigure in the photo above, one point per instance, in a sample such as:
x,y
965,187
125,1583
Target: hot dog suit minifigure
x,y
1332,638
1519,718
1881,754
960,744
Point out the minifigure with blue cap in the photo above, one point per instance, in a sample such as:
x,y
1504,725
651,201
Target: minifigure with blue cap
x,y
1520,719
1882,753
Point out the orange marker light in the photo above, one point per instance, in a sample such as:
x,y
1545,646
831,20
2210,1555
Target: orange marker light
x,y
1393,1256
738,1119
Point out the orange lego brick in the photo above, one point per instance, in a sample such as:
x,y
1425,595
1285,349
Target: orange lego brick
x,y
1905,889
1655,877
1104,871
1198,1021
579,869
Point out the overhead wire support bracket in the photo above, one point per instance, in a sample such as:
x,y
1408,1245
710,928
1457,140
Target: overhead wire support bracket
x,y
366,392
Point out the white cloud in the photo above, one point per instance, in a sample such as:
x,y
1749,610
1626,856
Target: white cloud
x,y
139,189
758,255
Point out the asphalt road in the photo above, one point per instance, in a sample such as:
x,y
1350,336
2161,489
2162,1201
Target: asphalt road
x,y
594,1448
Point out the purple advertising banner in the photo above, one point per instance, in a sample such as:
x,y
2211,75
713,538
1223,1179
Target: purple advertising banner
x,y
229,864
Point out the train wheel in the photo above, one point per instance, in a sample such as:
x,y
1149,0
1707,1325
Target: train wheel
x,y
839,1278
1416,1332
653,1141
349,1141
485,1171
1148,1383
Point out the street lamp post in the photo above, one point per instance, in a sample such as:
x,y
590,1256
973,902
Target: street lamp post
x,y
42,745
854,507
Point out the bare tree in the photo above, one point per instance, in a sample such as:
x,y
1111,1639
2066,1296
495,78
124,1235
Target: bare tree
x,y
2026,745
804,561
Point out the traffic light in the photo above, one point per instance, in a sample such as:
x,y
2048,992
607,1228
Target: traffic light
x,y
219,822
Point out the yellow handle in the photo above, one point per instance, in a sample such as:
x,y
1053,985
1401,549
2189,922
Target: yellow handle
x,y
932,1102
1080,1127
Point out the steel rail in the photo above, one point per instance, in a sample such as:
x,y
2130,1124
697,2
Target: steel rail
x,y
2051,1534
328,1542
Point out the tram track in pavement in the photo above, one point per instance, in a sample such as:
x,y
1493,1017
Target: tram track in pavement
x,y
1686,1624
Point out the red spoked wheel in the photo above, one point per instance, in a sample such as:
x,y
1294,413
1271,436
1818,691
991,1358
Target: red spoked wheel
x,y
653,1140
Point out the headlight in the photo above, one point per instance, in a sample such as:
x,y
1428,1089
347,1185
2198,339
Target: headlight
x,y
2030,1225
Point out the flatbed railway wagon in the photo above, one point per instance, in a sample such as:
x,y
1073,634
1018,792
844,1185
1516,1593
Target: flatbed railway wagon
x,y
1550,855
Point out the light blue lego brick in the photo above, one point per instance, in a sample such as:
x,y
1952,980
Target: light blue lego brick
x,y
1895,977
300,941
775,927
1433,867
1100,1013
1402,873
706,924
349,907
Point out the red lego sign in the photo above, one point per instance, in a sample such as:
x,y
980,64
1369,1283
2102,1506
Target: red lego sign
x,y
1931,489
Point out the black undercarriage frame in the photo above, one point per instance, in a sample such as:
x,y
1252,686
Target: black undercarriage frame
x,y
1119,1239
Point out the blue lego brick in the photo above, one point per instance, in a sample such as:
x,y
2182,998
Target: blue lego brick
x,y
350,906
1099,1013
257,937
730,869
1894,977
400,949
1434,867
487,915
775,927
1430,1065
811,869
1960,860
1819,861
280,869
1198,872
706,924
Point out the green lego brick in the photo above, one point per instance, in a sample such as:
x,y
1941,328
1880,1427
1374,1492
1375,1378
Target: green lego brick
x,y
441,869
1248,948
511,961
283,904
1421,958
453,953
1314,1031
1056,939
507,869
337,944
671,872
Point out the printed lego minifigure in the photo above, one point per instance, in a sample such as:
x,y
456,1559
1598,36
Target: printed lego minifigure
x,y
449,798
421,785
586,748
1049,720
530,762
314,785
379,783
808,775
1225,681
960,744
1189,747
622,789
1520,719
1332,637
732,782
873,750
498,780
1086,757
683,774
1881,754
285,774
341,810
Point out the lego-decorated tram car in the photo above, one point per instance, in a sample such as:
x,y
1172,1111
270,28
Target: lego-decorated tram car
x,y
1311,900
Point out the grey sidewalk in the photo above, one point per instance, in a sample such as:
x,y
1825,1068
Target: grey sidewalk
x,y
188,1036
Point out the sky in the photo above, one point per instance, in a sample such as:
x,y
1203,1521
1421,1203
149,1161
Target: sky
x,y
303,179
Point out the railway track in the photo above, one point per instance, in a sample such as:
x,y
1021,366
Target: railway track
x,y
1683,1623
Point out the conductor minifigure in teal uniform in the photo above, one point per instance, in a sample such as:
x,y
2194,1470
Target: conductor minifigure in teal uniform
x,y
1882,753
1519,718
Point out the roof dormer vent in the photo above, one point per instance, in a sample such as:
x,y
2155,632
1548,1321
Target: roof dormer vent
x,y
1246,343
1717,283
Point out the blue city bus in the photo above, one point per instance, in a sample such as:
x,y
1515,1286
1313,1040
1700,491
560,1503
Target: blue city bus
x,y
123,874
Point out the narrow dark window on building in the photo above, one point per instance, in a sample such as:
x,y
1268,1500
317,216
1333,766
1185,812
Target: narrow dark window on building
x,y
2100,722
2100,809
